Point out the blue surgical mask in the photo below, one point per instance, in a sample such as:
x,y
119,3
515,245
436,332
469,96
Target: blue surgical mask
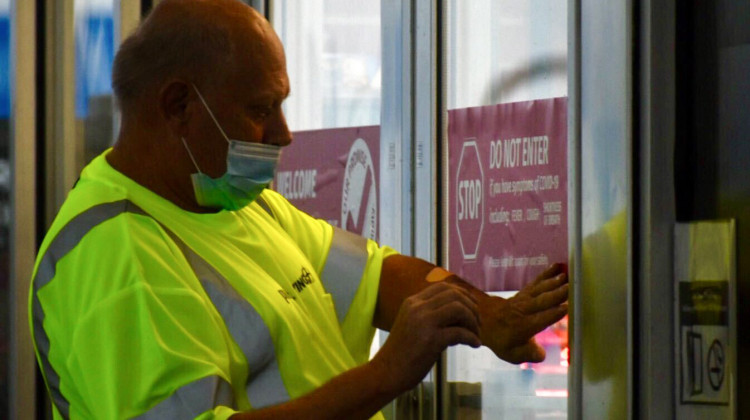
x,y
250,168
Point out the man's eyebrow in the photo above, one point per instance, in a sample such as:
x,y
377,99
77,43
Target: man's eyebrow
x,y
269,98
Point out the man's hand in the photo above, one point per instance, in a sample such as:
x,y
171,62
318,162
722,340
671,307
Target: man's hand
x,y
439,316
509,325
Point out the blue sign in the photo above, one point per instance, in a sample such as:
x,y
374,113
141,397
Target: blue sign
x,y
94,40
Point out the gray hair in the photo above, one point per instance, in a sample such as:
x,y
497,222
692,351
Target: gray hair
x,y
181,41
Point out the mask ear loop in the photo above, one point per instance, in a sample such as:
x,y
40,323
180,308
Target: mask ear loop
x,y
211,114
190,154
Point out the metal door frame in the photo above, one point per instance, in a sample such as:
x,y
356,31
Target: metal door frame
x,y
655,143
650,141
22,377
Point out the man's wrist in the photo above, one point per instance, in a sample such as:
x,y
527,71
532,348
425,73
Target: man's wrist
x,y
386,382
484,303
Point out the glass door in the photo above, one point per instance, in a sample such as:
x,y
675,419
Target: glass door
x,y
333,60
94,29
504,188
350,113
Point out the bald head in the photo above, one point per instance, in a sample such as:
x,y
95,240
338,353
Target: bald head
x,y
194,40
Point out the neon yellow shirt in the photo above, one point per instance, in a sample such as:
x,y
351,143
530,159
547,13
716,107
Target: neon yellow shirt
x,y
141,308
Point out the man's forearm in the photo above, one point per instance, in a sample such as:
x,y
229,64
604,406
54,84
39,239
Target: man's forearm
x,y
403,276
400,277
356,394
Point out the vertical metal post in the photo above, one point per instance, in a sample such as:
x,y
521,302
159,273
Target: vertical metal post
x,y
396,126
23,205
657,208
427,129
630,117
126,19
64,155
443,397
396,135
575,372
127,16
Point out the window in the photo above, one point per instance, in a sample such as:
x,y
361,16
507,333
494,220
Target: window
x,y
94,53
512,53
333,60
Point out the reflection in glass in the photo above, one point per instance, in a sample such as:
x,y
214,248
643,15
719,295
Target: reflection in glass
x,y
503,51
507,391
605,102
333,59
94,41
4,204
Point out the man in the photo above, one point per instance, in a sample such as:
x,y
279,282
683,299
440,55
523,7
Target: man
x,y
171,284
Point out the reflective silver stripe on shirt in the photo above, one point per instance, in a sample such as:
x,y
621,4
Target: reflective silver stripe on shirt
x,y
248,329
67,239
193,399
344,267
265,386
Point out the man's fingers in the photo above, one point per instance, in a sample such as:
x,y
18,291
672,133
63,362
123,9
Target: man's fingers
x,y
451,294
549,299
450,336
457,314
548,317
551,271
548,284
433,290
531,351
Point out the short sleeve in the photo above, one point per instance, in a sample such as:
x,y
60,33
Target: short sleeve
x,y
357,327
348,264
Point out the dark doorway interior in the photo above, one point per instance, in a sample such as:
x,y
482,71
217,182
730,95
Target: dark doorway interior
x,y
712,153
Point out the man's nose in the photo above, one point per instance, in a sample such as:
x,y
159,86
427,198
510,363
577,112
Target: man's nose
x,y
277,131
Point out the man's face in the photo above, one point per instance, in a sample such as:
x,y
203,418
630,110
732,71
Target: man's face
x,y
247,104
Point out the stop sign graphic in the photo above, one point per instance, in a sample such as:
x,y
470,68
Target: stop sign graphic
x,y
469,200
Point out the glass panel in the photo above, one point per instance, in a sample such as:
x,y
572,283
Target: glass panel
x,y
94,40
510,58
333,52
502,51
604,196
333,60
5,195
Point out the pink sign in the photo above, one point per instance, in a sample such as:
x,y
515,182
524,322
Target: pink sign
x,y
507,192
332,174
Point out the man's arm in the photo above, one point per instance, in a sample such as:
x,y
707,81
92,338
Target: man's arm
x,y
507,326
425,324
424,317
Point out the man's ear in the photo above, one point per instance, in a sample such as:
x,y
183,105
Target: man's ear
x,y
174,98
